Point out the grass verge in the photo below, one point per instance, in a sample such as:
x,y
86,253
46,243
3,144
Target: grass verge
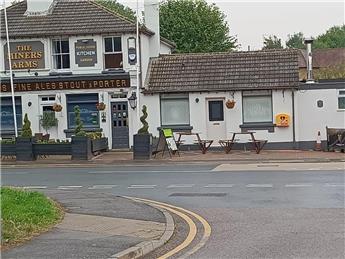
x,y
25,214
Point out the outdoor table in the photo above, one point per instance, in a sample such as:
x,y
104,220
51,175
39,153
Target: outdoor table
x,y
257,144
203,143
227,145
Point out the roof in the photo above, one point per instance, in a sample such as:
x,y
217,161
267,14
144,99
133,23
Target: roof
x,y
269,69
323,58
68,17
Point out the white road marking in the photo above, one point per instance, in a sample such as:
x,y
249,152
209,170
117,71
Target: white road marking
x,y
67,187
220,185
334,185
259,185
299,185
154,171
142,186
180,185
102,187
35,187
10,173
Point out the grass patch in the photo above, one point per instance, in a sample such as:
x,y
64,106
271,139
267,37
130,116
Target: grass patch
x,y
25,214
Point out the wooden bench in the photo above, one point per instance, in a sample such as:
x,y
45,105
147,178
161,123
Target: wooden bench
x,y
227,144
258,144
204,144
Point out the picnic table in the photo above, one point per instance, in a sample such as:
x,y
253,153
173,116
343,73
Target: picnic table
x,y
257,144
204,144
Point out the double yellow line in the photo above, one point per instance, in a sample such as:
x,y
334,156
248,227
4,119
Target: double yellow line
x,y
185,215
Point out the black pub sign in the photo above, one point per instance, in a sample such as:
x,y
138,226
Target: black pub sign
x,y
69,83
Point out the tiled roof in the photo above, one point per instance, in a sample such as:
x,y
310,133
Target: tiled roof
x,y
269,69
323,58
68,17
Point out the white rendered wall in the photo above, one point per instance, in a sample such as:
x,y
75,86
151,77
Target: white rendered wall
x,y
312,119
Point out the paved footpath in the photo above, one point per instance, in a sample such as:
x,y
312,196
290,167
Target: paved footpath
x,y
95,225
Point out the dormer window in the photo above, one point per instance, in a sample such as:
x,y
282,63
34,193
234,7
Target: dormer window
x,y
61,55
112,52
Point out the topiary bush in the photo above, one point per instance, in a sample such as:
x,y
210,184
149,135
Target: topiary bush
x,y
48,120
26,129
145,128
78,123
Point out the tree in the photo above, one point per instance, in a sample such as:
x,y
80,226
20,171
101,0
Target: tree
x,y
333,38
195,26
296,41
48,120
118,8
272,42
26,129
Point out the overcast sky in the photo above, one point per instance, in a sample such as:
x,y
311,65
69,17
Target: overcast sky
x,y
251,20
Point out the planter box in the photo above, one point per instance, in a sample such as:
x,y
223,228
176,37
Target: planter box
x,y
81,148
142,146
24,150
99,144
8,149
52,149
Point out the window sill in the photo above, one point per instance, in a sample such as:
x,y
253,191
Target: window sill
x,y
258,126
177,127
341,110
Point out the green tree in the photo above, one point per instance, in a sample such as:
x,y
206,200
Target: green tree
x,y
332,38
26,129
78,131
272,42
118,8
296,41
195,26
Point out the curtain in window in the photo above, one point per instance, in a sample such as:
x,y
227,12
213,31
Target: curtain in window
x,y
257,109
175,111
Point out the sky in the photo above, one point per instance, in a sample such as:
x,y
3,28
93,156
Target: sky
x,y
251,20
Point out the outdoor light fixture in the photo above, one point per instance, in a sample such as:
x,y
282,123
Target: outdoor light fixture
x,y
133,100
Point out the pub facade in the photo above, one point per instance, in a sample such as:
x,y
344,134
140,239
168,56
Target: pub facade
x,y
68,53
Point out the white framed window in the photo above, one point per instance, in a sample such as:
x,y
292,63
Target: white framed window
x,y
61,55
113,52
257,106
341,99
174,109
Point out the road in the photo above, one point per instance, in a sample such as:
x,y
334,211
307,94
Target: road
x,y
277,211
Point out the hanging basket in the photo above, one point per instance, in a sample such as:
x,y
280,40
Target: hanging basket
x,y
230,104
100,106
57,107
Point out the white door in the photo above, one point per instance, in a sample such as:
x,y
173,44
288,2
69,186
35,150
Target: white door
x,y
216,129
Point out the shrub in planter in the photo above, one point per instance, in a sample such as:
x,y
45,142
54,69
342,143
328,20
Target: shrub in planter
x,y
24,151
81,143
8,147
48,120
142,148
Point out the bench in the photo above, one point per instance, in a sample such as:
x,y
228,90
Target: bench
x,y
258,144
204,144
335,139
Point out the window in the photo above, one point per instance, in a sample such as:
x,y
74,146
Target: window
x,y
61,59
88,111
215,110
7,120
112,52
341,99
174,109
257,106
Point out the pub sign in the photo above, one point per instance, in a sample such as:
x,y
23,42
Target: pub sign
x,y
25,55
85,53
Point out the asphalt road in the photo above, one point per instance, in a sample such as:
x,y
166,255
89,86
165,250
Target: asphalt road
x,y
253,214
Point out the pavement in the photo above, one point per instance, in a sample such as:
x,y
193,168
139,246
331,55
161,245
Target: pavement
x,y
98,225
126,158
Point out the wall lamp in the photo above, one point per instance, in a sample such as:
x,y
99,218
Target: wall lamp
x,y
133,100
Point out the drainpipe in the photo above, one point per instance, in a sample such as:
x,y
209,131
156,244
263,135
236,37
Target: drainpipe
x,y
293,121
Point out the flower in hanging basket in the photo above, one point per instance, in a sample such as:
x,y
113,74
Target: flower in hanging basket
x,y
57,107
100,106
230,104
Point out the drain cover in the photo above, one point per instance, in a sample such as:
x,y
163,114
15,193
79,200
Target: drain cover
x,y
193,194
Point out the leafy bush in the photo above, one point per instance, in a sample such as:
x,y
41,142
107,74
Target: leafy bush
x,y
94,135
53,141
8,141
48,120
26,130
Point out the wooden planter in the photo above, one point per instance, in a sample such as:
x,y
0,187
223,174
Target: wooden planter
x,y
81,148
52,149
24,150
98,145
8,149
142,146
